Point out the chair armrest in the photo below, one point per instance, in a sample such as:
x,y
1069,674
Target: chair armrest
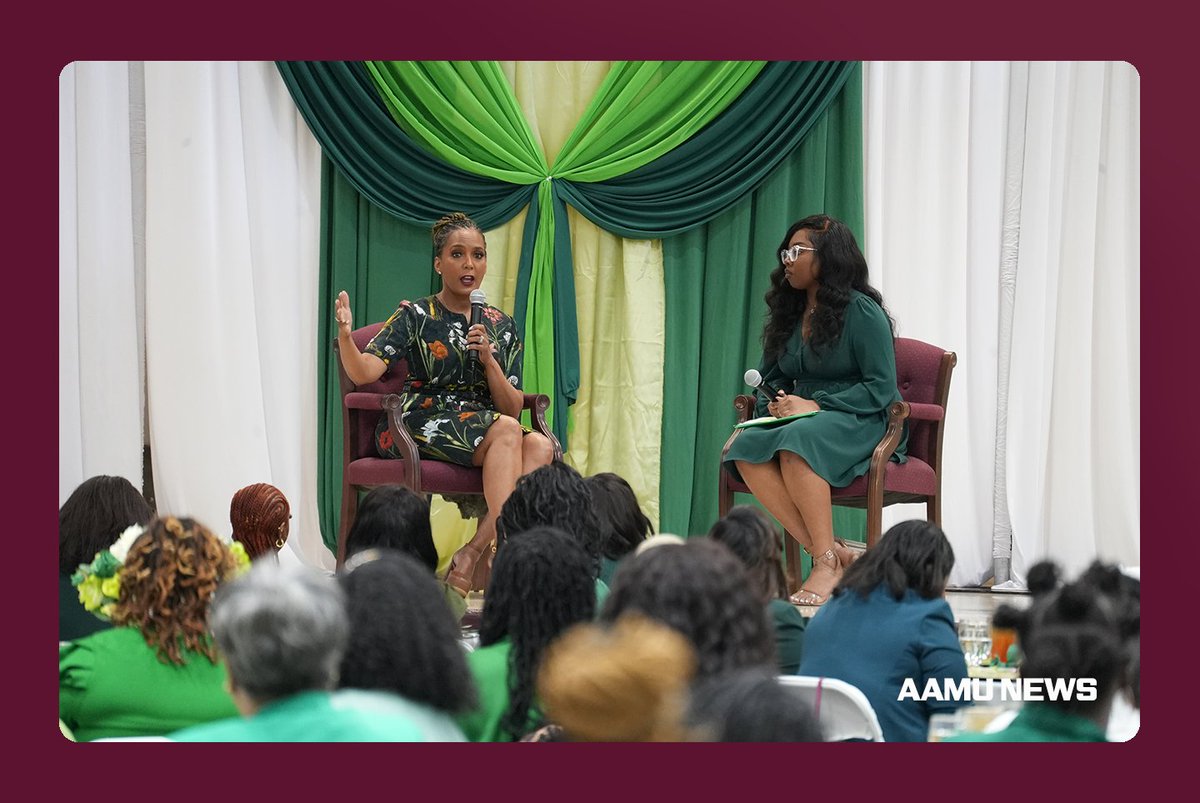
x,y
537,404
402,438
886,447
744,405
926,412
357,400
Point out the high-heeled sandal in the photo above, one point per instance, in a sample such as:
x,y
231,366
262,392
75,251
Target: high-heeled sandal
x,y
828,560
462,568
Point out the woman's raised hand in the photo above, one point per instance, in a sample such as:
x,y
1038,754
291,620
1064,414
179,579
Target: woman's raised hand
x,y
342,314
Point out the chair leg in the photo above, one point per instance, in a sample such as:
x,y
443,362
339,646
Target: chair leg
x,y
874,524
349,511
792,573
933,509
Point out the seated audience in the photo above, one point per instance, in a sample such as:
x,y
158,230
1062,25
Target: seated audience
x,y
701,590
282,631
887,621
750,705
541,584
91,519
395,517
750,536
621,517
261,518
404,640
557,496
1078,630
622,683
157,669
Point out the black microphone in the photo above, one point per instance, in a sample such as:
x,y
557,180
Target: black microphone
x,y
754,379
478,301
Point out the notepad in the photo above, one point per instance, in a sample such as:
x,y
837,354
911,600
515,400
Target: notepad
x,y
770,420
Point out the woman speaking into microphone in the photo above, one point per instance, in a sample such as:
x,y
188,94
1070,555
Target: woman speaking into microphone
x,y
462,398
827,345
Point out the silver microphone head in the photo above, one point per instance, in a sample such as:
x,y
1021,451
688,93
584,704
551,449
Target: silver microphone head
x,y
478,297
753,378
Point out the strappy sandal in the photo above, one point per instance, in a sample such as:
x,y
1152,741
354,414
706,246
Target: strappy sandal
x,y
462,568
829,562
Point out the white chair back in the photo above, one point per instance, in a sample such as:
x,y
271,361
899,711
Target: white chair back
x,y
841,708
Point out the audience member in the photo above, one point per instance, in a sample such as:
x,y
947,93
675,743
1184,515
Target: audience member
x,y
395,517
557,496
701,590
750,536
621,518
655,541
403,640
91,519
157,670
282,631
261,518
624,683
888,621
750,705
541,584
1081,630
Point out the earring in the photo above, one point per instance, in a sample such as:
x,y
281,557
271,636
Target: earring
x,y
279,543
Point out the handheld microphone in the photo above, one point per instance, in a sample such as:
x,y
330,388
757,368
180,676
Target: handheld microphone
x,y
478,301
754,379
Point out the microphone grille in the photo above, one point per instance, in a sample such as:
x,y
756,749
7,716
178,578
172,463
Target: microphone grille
x,y
478,297
753,378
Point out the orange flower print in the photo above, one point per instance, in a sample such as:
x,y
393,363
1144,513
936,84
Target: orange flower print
x,y
466,415
425,405
439,350
385,439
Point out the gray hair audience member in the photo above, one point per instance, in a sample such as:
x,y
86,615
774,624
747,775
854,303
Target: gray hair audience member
x,y
282,631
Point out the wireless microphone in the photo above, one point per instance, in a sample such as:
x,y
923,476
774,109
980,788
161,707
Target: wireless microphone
x,y
478,301
754,379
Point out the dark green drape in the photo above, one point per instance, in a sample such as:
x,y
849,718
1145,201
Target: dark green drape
x,y
716,276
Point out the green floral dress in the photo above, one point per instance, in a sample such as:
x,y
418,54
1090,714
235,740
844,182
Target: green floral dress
x,y
445,403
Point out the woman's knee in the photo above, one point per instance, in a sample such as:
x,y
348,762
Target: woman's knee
x,y
505,429
793,462
537,448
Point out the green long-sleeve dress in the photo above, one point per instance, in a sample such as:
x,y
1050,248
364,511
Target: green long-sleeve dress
x,y
853,381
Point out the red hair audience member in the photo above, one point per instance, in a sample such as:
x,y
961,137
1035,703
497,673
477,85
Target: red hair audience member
x,y
260,516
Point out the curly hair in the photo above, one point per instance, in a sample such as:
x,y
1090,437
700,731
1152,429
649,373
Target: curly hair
x,y
94,516
703,591
625,525
843,268
554,495
541,584
259,515
393,517
448,223
167,580
750,536
403,637
913,554
624,683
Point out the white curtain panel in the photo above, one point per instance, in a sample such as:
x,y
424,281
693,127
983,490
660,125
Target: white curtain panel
x,y
99,368
1002,224
232,209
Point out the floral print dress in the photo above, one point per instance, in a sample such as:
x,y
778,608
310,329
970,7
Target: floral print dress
x,y
445,403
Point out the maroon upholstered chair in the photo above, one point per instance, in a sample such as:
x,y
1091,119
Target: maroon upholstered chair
x,y
923,378
363,468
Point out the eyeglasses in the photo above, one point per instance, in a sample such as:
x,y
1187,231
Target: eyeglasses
x,y
789,255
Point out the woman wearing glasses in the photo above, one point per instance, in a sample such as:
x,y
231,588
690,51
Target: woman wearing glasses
x,y
827,348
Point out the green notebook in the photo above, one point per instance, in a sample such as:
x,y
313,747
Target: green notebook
x,y
770,420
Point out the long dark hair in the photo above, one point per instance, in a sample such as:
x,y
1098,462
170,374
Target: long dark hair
x,y
403,637
621,517
843,269
911,555
752,537
554,495
541,584
94,516
393,517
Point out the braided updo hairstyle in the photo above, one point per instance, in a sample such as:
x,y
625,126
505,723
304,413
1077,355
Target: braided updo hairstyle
x,y
259,515
449,223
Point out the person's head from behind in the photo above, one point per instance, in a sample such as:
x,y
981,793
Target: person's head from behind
x,y
541,584
94,515
621,517
281,630
750,705
261,519
1125,595
626,682
911,556
167,582
556,496
393,517
749,535
701,590
403,638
